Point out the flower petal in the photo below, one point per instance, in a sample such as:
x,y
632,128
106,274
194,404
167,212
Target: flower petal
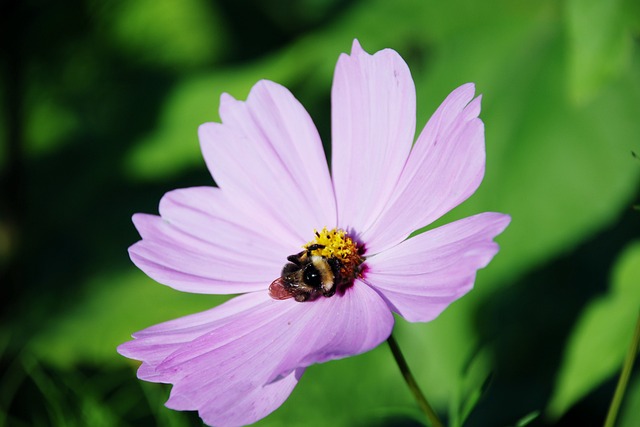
x,y
209,213
238,362
421,276
373,124
154,344
204,244
246,403
445,167
267,155
336,327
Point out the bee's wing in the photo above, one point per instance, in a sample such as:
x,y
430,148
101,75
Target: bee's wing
x,y
277,290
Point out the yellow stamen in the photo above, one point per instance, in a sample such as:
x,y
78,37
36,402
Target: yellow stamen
x,y
337,244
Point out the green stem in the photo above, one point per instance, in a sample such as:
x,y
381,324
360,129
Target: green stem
x,y
413,385
624,377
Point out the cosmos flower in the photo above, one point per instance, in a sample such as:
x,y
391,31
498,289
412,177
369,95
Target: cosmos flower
x,y
342,237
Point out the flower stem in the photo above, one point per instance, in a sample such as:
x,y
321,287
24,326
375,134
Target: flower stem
x,y
413,385
624,377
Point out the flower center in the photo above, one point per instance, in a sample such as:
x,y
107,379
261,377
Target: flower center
x,y
336,244
329,263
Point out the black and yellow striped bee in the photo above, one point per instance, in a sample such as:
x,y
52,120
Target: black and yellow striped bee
x,y
307,276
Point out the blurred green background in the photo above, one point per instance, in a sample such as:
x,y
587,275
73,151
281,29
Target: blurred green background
x,y
100,105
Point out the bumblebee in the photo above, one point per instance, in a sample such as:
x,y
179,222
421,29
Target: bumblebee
x,y
306,276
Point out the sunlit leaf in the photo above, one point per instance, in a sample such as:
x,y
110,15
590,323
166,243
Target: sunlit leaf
x,y
601,337
176,33
173,145
114,306
527,419
629,416
600,43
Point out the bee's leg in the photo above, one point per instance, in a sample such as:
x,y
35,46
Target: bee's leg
x,y
295,259
335,265
331,292
301,297
313,248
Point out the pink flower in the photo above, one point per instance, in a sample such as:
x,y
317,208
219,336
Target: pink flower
x,y
238,362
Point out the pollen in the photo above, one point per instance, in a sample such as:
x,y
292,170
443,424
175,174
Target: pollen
x,y
338,245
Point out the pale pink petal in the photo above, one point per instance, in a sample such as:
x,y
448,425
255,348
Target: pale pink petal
x,y
203,244
445,167
373,125
238,362
423,275
239,407
336,327
267,156
154,344
209,214
249,402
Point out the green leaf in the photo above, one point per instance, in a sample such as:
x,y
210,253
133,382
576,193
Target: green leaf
x,y
474,397
173,146
600,44
173,33
527,419
474,380
114,306
601,337
629,416
50,124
